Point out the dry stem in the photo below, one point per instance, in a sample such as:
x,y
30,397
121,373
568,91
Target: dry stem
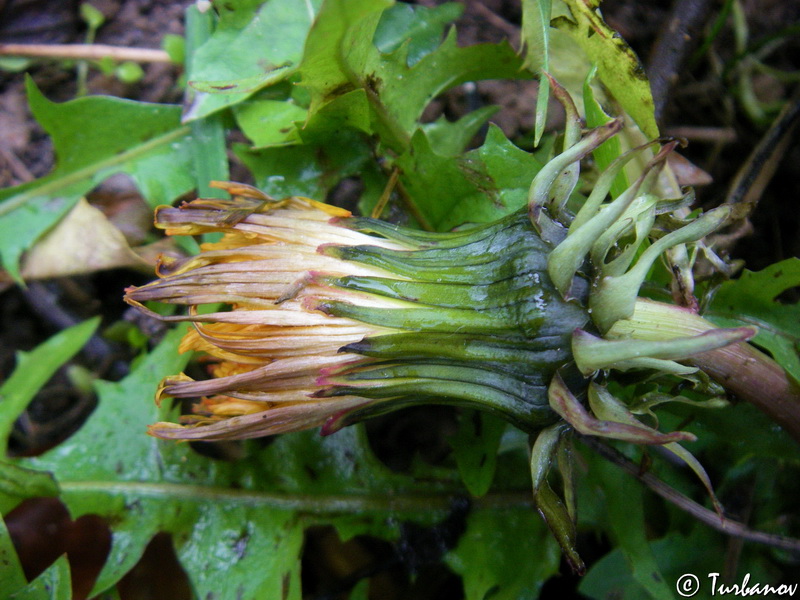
x,y
85,52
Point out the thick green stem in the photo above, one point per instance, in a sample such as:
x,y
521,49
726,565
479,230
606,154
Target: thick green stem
x,y
740,368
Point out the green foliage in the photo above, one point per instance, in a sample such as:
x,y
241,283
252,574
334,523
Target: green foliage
x,y
248,515
324,91
625,510
53,584
494,568
35,368
209,157
475,187
752,299
17,482
91,16
475,448
175,46
94,138
535,34
610,149
389,66
227,71
11,577
418,26
618,66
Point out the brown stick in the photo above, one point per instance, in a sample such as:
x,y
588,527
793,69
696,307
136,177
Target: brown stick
x,y
85,52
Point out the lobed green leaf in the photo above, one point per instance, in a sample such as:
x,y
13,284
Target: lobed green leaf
x,y
479,186
752,299
504,555
94,138
251,48
241,523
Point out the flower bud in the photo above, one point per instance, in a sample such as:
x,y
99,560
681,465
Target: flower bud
x,y
331,319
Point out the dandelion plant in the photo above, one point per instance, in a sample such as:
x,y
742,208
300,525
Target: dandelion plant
x,y
557,294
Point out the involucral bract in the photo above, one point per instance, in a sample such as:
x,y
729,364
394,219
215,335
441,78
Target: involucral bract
x,y
329,319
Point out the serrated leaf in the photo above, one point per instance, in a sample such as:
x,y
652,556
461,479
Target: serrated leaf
x,y
751,300
12,578
505,556
625,514
405,92
35,368
451,138
618,66
475,447
109,448
52,584
94,138
249,50
342,116
397,93
420,27
323,70
270,123
308,170
18,483
479,186
55,583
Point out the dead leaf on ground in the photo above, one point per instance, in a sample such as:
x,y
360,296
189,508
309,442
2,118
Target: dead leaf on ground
x,y
83,242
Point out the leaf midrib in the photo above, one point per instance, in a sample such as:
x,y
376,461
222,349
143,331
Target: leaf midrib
x,y
58,182
319,504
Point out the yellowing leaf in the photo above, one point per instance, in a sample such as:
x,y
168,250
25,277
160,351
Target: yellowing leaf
x,y
94,138
618,66
84,241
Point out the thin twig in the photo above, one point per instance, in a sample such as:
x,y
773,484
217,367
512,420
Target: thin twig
x,y
377,210
511,30
85,52
709,517
17,167
760,166
412,207
717,135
